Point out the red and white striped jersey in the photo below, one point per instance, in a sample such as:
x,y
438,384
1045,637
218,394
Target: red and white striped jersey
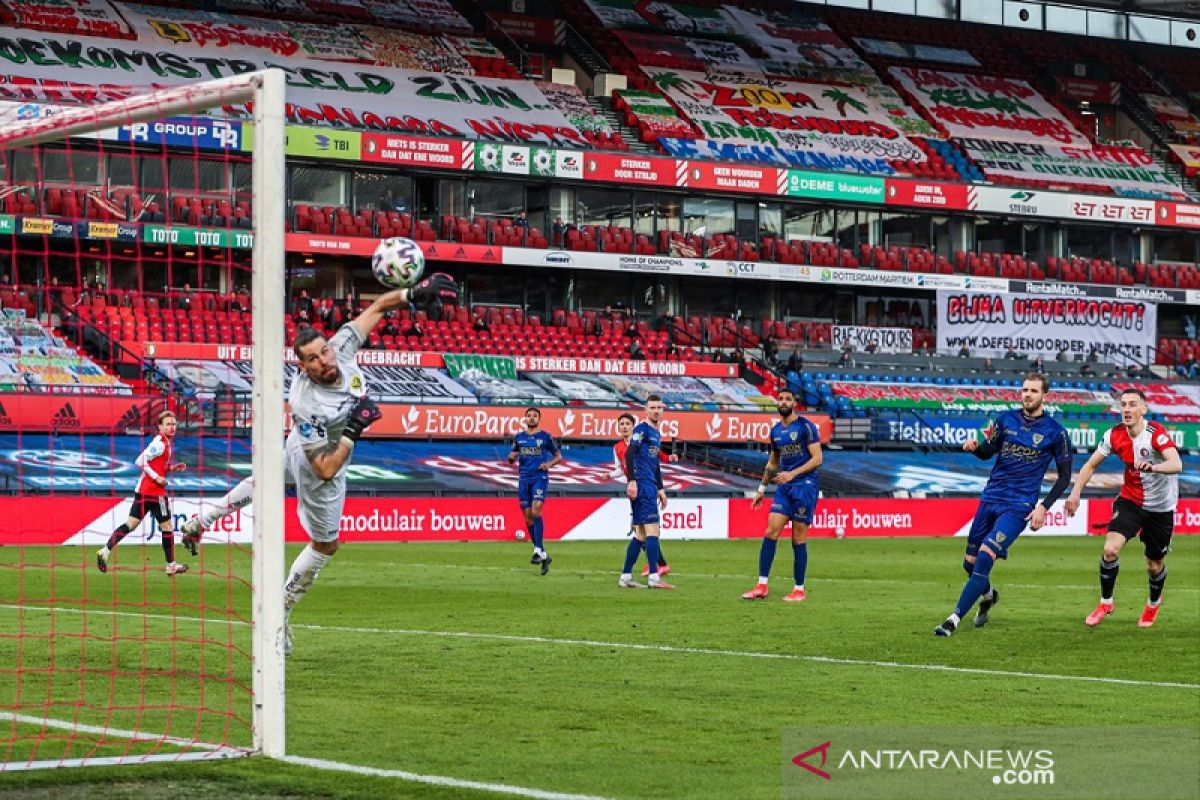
x,y
1150,490
154,461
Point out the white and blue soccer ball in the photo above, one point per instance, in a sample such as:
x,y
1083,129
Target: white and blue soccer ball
x,y
398,263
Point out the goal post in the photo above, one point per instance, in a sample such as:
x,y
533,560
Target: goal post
x,y
52,714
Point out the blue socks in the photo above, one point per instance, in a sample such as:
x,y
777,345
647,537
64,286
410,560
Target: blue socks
x,y
535,533
766,556
652,554
976,586
800,551
631,555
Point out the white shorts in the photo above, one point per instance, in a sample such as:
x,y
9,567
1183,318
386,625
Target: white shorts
x,y
320,502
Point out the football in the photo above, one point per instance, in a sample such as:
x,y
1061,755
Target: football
x,y
398,263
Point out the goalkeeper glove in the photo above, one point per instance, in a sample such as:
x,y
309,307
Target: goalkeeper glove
x,y
438,288
364,414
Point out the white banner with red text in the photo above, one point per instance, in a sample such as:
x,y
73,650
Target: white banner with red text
x,y
88,521
1122,331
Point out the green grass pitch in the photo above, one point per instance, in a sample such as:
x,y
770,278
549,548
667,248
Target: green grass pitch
x,y
458,660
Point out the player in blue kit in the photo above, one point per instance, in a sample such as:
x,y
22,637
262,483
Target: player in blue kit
x,y
792,467
1025,442
535,453
646,495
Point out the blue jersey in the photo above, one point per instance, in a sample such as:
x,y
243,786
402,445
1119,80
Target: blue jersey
x,y
533,450
641,457
1026,446
791,442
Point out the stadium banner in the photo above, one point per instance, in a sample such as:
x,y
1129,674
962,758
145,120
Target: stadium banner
x,y
926,194
796,42
1188,154
319,92
679,17
1129,168
190,351
1087,89
967,399
496,366
88,521
78,17
655,115
37,411
936,429
842,127
426,421
987,107
417,151
886,340
194,132
704,55
916,52
1122,331
743,178
527,28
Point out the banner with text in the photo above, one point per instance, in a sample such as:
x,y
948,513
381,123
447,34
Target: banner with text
x,y
1125,167
90,520
936,429
57,68
501,422
986,107
841,127
885,340
965,399
1122,331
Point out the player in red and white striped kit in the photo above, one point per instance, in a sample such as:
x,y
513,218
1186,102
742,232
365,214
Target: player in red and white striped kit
x,y
1146,503
151,496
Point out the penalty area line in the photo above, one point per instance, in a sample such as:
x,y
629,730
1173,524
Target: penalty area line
x,y
711,651
436,780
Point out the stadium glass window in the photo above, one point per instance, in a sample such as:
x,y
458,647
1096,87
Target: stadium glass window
x,y
119,171
710,296
669,213
382,191
589,292
857,227
708,214
495,199
316,186
649,297
506,288
911,230
198,177
562,204
55,167
643,213
1087,241
451,198
537,199
604,207
1039,241
770,219
1175,247
804,302
998,236
242,177
152,176
808,222
941,240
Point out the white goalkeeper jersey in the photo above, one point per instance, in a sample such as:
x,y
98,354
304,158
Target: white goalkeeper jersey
x,y
319,412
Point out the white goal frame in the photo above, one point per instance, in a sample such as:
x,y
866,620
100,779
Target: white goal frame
x,y
265,89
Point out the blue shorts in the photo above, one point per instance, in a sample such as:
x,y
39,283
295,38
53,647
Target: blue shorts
x,y
796,500
997,526
533,490
645,507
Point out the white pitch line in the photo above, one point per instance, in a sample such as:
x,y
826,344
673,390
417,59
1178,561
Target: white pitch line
x,y
436,780
663,648
742,577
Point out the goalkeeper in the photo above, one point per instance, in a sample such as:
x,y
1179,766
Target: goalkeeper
x,y
330,410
